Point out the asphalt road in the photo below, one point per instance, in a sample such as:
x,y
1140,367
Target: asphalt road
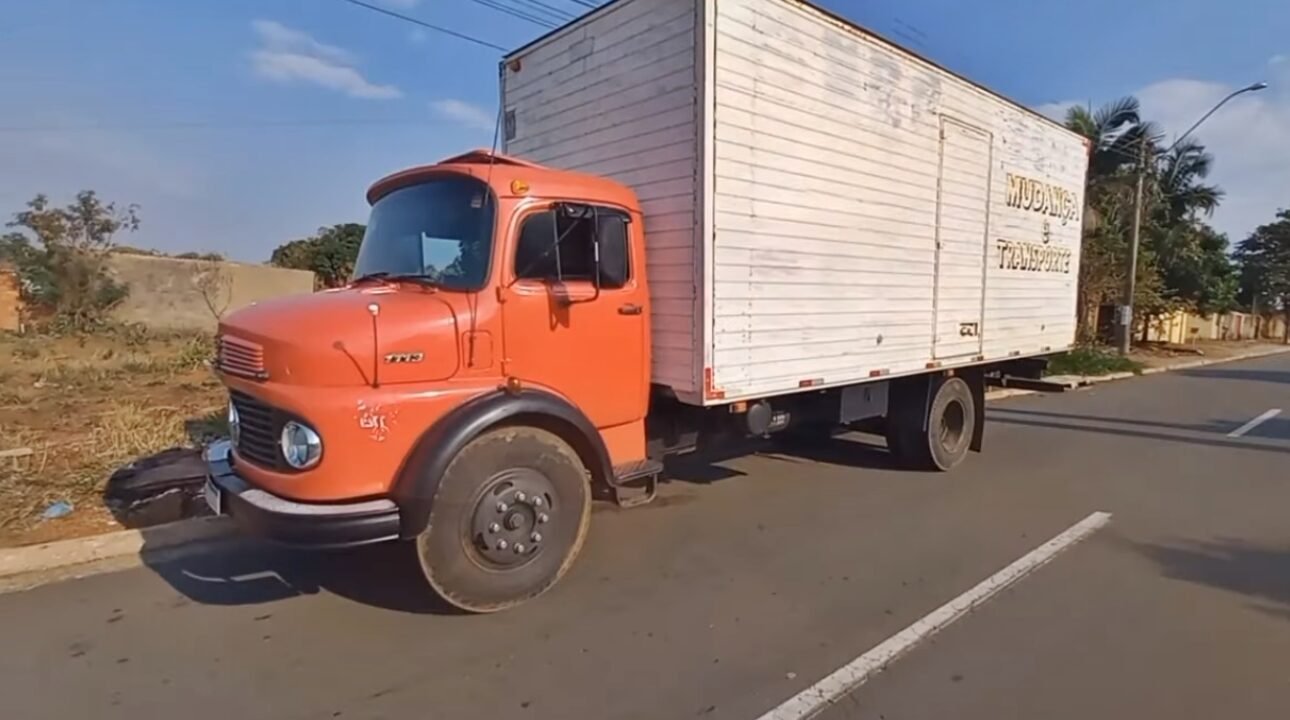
x,y
751,579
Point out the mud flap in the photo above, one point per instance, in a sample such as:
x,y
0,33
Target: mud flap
x,y
976,382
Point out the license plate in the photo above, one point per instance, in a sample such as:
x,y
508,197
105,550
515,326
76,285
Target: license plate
x,y
213,497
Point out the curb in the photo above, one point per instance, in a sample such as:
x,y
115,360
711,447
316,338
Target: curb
x,y
26,567
19,567
1003,393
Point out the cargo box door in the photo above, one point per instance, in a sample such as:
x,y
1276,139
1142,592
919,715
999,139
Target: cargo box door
x,y
962,220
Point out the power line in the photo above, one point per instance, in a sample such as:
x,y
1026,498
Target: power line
x,y
210,125
586,4
513,12
424,24
560,13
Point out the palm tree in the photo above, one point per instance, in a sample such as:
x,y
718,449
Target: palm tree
x,y
1115,130
1182,195
1182,261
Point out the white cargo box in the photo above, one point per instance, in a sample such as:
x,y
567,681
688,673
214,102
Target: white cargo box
x,y
821,206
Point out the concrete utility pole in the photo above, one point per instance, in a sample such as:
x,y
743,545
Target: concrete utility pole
x,y
1124,336
1124,324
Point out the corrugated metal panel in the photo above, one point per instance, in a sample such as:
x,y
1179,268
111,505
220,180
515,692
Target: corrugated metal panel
x,y
616,95
962,219
829,175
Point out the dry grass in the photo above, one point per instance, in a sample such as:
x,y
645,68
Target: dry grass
x,y
86,405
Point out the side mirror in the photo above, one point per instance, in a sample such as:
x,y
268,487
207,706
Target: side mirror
x,y
567,294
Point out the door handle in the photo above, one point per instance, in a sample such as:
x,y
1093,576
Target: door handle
x,y
630,309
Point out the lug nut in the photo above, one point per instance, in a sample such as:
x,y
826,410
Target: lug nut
x,y
494,527
502,507
501,544
520,497
536,537
538,501
542,517
519,548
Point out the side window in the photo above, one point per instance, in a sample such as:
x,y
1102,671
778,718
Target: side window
x,y
534,257
557,245
615,263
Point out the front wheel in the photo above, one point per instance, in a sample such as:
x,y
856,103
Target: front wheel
x,y
510,516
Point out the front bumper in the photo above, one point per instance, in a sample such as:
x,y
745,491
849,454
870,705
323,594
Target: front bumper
x,y
315,525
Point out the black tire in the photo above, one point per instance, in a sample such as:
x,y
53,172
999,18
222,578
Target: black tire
x,y
464,563
943,440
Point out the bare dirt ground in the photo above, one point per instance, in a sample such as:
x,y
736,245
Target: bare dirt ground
x,y
87,405
1163,355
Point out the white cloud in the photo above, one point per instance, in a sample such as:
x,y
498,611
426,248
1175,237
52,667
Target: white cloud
x,y
1054,110
287,55
276,36
1249,139
460,111
1278,59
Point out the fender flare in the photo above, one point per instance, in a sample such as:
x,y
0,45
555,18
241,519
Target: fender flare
x,y
419,478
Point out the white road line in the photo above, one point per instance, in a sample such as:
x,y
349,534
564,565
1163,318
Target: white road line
x,y
1255,422
850,676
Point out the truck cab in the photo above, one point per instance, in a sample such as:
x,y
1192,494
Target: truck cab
x,y
487,364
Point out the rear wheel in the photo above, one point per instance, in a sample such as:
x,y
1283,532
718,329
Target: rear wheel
x,y
939,439
510,516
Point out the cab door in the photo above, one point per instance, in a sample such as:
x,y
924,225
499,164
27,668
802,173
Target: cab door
x,y
580,334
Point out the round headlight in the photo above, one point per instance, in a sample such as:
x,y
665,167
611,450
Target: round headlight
x,y
234,423
301,446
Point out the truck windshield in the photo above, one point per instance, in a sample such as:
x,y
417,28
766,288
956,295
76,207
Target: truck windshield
x,y
440,230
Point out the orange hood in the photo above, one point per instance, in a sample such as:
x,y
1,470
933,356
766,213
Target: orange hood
x,y
331,339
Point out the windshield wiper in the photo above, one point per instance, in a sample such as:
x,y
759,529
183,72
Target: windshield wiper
x,y
371,276
424,278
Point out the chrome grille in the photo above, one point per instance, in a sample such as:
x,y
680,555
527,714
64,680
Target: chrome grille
x,y
241,357
257,439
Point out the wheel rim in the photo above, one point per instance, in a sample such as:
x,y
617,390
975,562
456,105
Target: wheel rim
x,y
953,424
515,512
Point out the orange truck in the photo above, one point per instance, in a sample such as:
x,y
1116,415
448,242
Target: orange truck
x,y
765,219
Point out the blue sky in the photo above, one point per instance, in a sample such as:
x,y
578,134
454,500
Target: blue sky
x,y
171,104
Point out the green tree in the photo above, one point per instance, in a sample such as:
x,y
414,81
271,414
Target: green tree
x,y
1115,132
330,253
61,254
1198,273
1195,271
1182,262
1264,258
1183,197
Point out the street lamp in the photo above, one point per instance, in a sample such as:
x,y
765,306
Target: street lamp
x,y
1124,330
